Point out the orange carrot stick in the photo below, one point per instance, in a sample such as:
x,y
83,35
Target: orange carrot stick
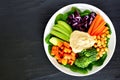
x,y
98,21
104,30
100,31
92,24
99,27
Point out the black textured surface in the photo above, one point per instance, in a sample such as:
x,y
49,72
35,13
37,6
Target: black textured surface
x,y
22,56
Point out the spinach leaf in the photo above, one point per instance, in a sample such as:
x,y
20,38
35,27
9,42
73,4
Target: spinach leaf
x,y
100,61
77,69
48,38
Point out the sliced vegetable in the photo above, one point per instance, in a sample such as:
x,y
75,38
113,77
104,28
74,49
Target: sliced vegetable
x,y
86,21
79,22
54,50
59,35
99,27
61,31
92,27
62,28
66,26
98,33
63,53
55,41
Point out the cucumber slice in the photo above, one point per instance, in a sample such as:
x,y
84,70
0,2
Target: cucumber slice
x,y
65,25
59,35
55,40
61,30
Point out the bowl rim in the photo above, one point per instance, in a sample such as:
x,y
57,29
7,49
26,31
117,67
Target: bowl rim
x,y
90,7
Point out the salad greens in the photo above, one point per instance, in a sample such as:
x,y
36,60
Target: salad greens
x,y
75,19
88,57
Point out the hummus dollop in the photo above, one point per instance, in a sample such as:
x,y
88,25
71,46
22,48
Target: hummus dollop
x,y
80,40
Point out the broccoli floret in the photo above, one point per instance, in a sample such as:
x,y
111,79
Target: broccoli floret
x,y
89,57
90,52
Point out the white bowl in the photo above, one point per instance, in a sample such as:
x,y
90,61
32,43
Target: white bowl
x,y
111,45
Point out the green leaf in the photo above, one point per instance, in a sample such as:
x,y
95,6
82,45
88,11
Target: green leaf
x,y
82,53
87,11
90,52
100,61
73,9
64,17
107,42
49,48
90,66
109,28
48,38
58,17
77,69
67,65
84,13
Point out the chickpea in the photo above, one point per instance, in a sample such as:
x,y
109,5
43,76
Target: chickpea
x,y
100,53
102,42
105,38
98,37
107,32
104,45
105,41
106,49
103,35
99,44
108,35
102,49
94,37
97,57
98,49
95,45
104,52
98,41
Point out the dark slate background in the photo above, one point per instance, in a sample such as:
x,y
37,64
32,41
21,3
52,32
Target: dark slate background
x,y
22,24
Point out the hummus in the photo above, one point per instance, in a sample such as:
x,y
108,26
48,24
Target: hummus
x,y
80,40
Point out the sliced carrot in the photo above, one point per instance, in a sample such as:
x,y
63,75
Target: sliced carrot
x,y
93,23
98,21
99,27
99,31
104,30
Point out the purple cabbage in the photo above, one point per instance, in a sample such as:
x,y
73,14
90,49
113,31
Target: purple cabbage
x,y
80,23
